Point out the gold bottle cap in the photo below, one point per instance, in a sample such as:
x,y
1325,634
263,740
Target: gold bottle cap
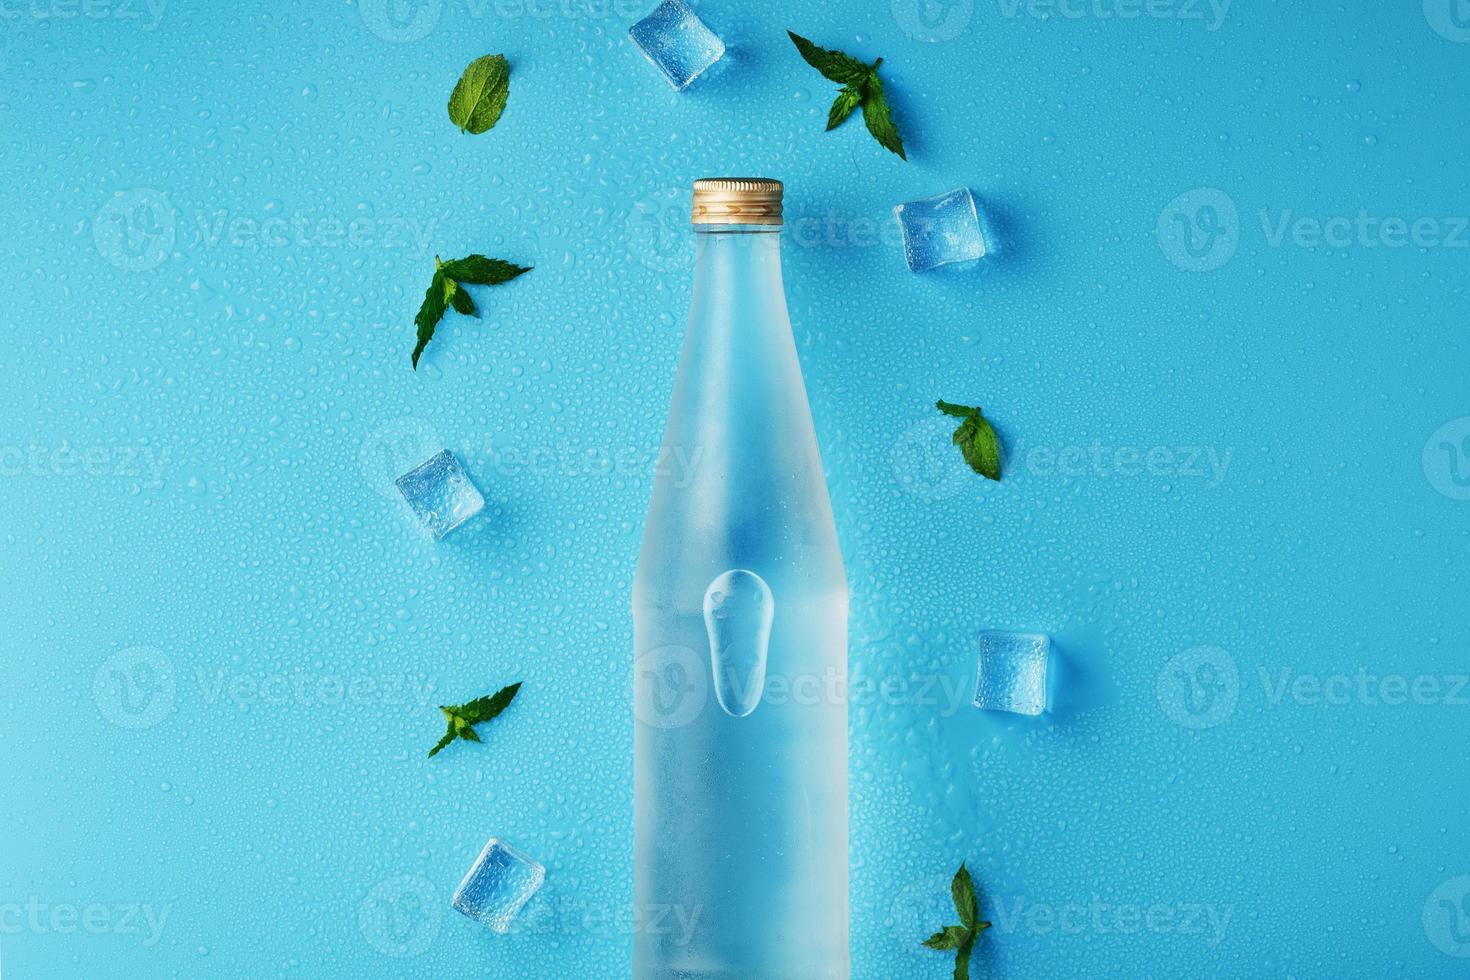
x,y
737,201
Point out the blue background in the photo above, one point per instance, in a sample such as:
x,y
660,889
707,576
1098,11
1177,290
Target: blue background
x,y
224,637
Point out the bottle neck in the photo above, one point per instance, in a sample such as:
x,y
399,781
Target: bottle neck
x,y
731,260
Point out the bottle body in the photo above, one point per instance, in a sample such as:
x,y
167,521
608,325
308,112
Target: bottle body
x,y
740,635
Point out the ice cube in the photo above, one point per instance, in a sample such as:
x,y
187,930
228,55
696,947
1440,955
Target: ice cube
x,y
677,42
1012,673
440,493
940,230
502,880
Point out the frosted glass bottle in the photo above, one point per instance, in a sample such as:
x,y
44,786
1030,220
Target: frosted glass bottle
x,y
740,634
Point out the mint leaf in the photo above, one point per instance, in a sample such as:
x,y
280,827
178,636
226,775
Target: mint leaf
x,y
840,68
430,313
960,938
463,717
461,300
481,271
479,97
449,736
962,890
446,290
879,120
951,938
976,438
861,86
486,708
847,100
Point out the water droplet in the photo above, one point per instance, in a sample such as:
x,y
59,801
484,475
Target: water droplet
x,y
738,612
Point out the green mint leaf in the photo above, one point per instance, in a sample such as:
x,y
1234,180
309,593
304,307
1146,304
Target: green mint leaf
x,y
445,290
879,120
861,86
961,938
486,708
461,300
962,890
480,271
847,100
463,718
976,438
958,411
449,736
980,447
840,68
430,313
951,938
479,97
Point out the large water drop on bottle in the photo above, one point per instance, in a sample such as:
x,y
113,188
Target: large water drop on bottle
x,y
738,611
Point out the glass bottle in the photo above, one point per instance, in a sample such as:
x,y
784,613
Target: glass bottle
x,y
740,634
